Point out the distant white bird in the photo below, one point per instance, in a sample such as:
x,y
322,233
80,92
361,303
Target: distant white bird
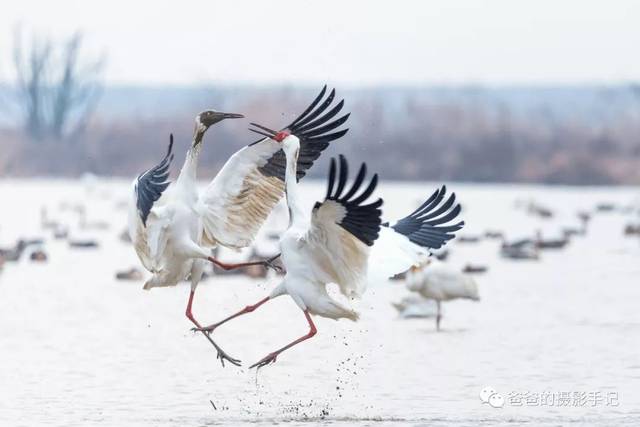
x,y
434,280
173,228
332,245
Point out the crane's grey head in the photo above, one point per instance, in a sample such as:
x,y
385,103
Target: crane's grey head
x,y
209,118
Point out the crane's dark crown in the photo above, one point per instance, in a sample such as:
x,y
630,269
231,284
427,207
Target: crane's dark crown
x,y
209,117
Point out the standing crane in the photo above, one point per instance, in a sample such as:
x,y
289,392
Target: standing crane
x,y
174,228
434,280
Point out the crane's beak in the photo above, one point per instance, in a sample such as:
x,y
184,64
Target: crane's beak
x,y
263,130
277,136
219,116
231,116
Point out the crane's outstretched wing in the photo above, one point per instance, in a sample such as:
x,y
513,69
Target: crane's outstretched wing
x,y
146,224
241,196
314,134
342,230
427,226
410,240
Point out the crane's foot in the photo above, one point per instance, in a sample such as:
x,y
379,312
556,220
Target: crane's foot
x,y
270,358
206,329
222,356
269,263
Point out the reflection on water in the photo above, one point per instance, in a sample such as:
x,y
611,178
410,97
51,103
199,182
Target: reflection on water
x,y
80,348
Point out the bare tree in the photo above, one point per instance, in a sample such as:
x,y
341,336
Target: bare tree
x,y
30,73
57,90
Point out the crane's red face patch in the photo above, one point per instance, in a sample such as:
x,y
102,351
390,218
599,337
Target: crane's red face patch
x,y
280,136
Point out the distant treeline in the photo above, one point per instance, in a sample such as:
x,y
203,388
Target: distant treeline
x,y
586,135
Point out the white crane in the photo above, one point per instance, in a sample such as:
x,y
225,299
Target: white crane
x,y
173,228
434,280
332,245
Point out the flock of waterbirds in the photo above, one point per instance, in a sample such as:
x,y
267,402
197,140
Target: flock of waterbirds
x,y
177,231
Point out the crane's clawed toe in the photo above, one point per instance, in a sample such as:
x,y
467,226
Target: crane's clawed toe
x,y
206,330
268,263
270,358
224,356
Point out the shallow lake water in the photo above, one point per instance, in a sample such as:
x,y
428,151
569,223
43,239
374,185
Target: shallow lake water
x,y
79,348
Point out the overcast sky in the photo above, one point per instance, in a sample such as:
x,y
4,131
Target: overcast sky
x,y
348,42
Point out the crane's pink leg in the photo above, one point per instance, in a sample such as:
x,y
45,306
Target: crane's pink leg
x,y
266,263
221,354
247,309
271,357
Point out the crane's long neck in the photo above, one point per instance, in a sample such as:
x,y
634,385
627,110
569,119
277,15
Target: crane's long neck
x,y
189,171
296,214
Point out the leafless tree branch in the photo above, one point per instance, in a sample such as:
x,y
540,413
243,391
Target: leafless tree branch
x,y
57,88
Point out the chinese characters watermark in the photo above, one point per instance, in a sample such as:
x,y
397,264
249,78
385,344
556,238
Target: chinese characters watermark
x,y
490,396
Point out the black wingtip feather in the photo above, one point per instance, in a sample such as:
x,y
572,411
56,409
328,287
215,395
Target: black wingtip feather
x,y
332,177
170,145
362,221
152,183
311,127
428,225
342,179
325,118
309,108
368,191
298,127
358,182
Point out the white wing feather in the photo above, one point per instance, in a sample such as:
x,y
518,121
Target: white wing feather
x,y
240,197
149,242
393,253
338,257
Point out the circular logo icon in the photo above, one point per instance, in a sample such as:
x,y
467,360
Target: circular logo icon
x,y
492,397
